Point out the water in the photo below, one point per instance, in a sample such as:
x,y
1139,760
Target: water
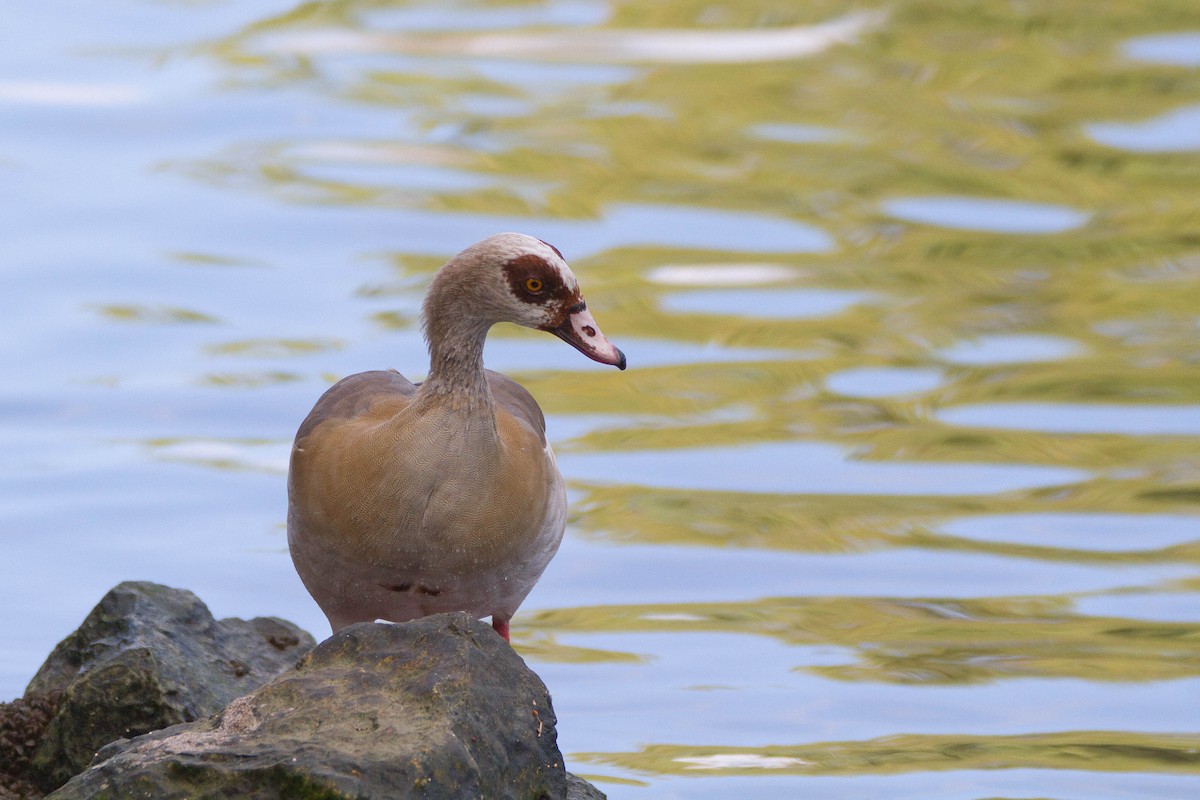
x,y
899,495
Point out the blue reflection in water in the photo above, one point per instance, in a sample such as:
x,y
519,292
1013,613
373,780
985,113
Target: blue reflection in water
x,y
883,381
1153,606
986,214
1182,49
764,303
1099,532
1174,132
652,574
702,228
1010,349
805,468
1133,420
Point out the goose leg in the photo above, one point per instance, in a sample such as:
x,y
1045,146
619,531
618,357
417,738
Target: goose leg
x,y
500,625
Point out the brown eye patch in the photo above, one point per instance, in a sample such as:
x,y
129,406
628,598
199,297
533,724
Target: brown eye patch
x,y
532,279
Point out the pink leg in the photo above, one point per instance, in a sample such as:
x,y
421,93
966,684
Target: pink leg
x,y
500,626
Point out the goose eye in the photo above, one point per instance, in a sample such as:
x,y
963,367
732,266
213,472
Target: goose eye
x,y
534,285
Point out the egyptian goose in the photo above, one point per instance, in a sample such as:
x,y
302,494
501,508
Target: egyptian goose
x,y
412,499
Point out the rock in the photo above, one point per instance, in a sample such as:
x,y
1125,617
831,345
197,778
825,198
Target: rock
x,y
147,657
439,707
436,708
579,789
23,724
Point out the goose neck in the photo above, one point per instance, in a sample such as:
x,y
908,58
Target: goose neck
x,y
456,375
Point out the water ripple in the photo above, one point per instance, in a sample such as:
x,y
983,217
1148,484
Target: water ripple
x,y
986,214
1016,348
764,303
661,46
1176,131
883,381
1099,532
805,468
1182,49
1128,419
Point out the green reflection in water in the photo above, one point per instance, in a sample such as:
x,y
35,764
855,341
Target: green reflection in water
x,y
985,99
154,315
274,348
249,380
841,524
231,455
916,641
198,259
1104,751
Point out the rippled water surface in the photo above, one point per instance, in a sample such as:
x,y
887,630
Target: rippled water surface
x,y
899,495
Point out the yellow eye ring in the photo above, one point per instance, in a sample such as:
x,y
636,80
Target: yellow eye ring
x,y
534,285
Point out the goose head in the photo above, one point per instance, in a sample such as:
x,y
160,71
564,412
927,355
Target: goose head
x,y
512,277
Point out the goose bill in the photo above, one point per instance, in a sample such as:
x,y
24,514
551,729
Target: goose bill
x,y
580,331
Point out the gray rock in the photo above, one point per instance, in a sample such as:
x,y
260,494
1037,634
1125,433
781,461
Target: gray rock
x,y
147,657
440,707
579,789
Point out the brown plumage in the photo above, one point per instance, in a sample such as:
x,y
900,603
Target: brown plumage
x,y
411,499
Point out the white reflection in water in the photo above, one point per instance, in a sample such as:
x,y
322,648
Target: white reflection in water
x,y
720,274
379,153
1010,349
805,468
598,45
46,93
883,381
1098,532
764,303
542,79
986,214
740,761
408,177
254,456
477,16
799,134
1174,132
1132,420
